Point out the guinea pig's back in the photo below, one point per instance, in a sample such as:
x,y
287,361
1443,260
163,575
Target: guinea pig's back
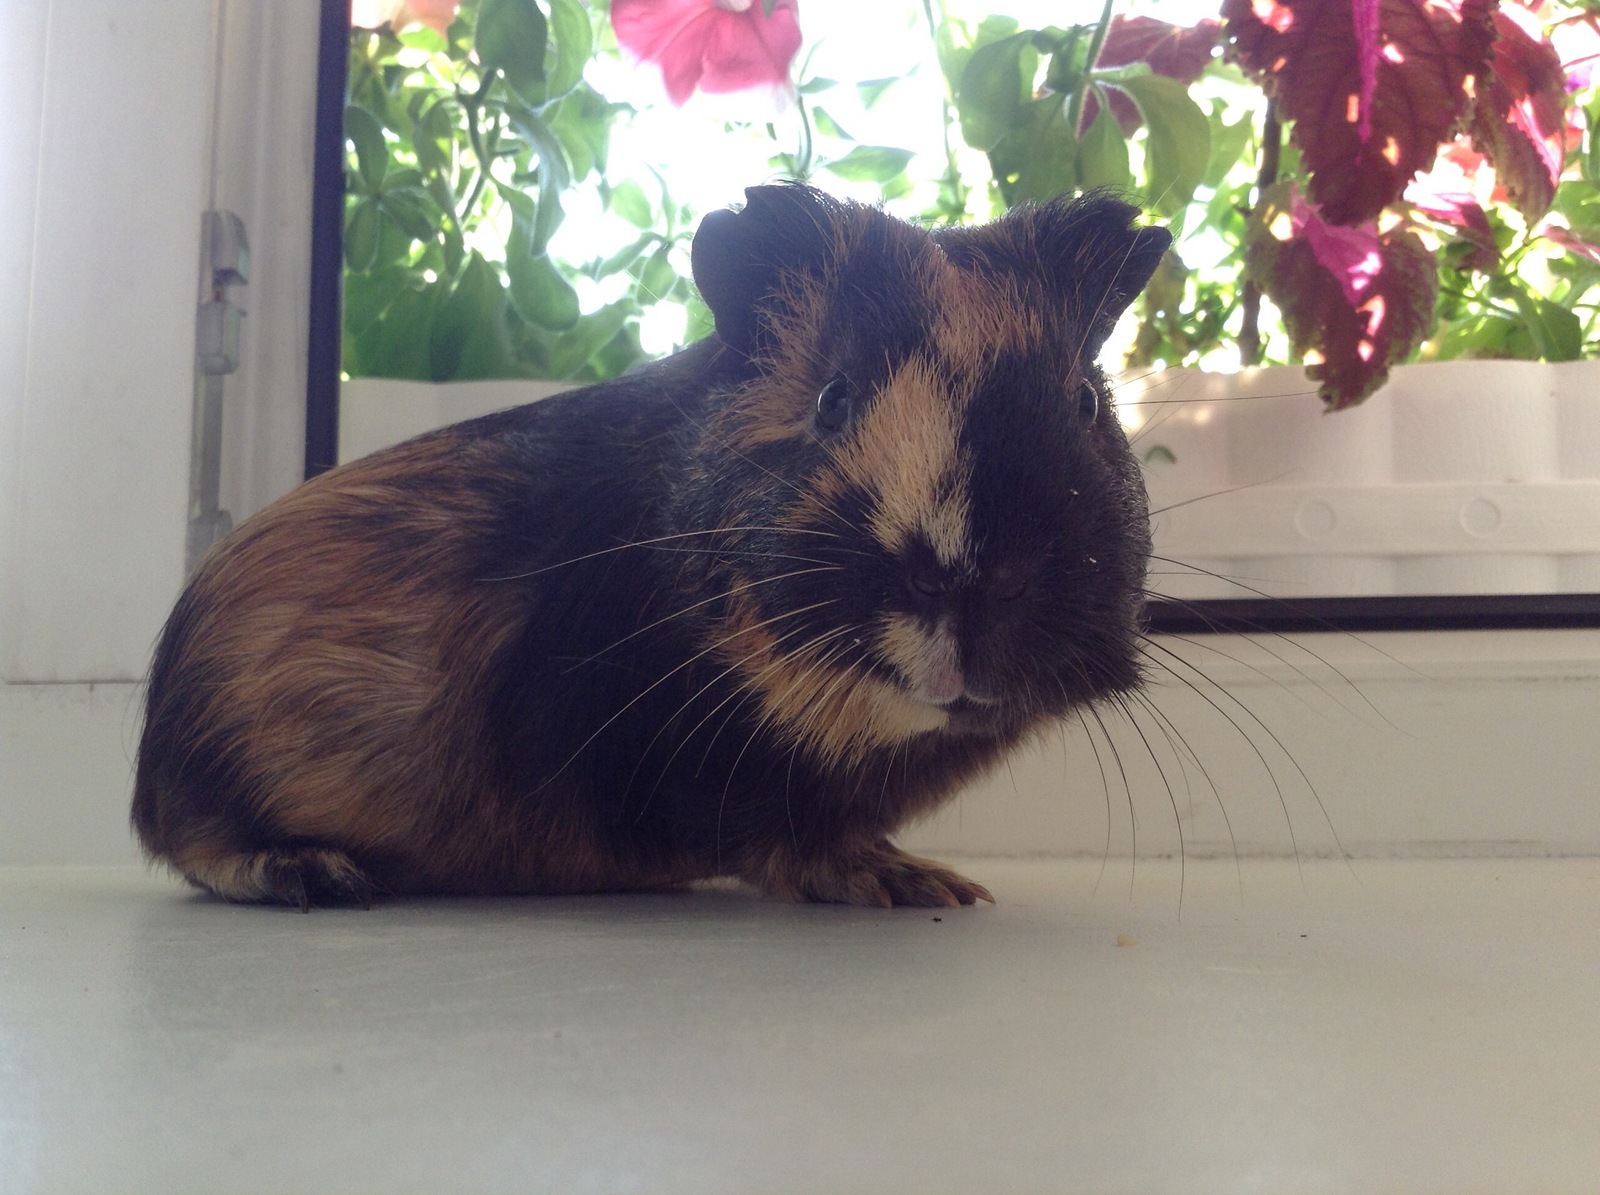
x,y
317,718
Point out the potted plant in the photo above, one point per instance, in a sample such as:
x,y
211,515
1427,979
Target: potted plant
x,y
1355,185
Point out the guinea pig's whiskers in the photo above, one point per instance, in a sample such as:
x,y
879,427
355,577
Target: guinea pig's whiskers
x,y
1105,781
761,724
1324,624
742,690
1183,749
647,543
703,602
1256,638
671,672
748,688
1171,663
1121,702
819,703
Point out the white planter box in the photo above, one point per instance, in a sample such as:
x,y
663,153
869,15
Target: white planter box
x,y
1461,477
377,412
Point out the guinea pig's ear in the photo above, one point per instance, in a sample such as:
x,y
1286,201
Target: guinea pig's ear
x,y
738,257
1093,249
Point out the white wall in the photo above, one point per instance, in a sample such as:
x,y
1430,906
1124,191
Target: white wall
x,y
266,136
98,397
100,212
109,165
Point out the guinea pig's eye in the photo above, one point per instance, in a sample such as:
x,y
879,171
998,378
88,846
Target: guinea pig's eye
x,y
833,404
1088,402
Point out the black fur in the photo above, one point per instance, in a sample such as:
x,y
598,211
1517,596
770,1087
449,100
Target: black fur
x,y
548,589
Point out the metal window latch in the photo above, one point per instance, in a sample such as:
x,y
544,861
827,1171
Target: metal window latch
x,y
218,322
226,263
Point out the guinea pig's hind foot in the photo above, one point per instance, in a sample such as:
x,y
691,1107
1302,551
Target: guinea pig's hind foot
x,y
295,876
878,874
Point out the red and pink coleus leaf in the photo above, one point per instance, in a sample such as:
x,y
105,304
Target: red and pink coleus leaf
x,y
1368,112
713,45
1577,42
1573,243
1179,52
1448,194
1354,301
1520,119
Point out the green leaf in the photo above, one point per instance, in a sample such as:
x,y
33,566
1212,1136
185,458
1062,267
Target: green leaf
x,y
553,168
414,211
656,275
617,355
996,27
813,86
1038,159
468,335
547,218
571,351
623,258
538,292
1591,153
423,37
698,320
871,90
431,139
1227,144
361,236
1557,333
870,163
511,37
397,345
363,131
629,201
367,296
1103,154
574,41
581,121
827,126
992,88
1179,140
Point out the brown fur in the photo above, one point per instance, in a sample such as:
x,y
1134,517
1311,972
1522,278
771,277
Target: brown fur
x,y
681,625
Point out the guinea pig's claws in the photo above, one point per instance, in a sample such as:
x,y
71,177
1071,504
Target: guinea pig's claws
x,y
302,877
880,875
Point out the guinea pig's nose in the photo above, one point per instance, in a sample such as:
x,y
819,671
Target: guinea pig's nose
x,y
1007,582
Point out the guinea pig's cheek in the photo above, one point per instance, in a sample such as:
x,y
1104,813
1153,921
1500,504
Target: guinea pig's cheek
x,y
839,712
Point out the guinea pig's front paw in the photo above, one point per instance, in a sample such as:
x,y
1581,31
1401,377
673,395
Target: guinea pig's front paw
x,y
877,874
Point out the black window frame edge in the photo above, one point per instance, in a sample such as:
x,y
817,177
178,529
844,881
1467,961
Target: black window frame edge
x,y
1163,615
1425,612
324,342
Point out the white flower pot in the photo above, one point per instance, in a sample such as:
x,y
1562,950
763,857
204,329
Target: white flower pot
x,y
1461,477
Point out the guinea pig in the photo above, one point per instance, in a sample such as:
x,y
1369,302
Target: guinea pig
x,y
742,612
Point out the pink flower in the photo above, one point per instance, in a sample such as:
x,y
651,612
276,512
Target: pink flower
x,y
397,14
715,45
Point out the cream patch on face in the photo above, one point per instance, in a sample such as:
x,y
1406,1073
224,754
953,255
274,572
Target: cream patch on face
x,y
978,318
906,454
841,713
929,660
